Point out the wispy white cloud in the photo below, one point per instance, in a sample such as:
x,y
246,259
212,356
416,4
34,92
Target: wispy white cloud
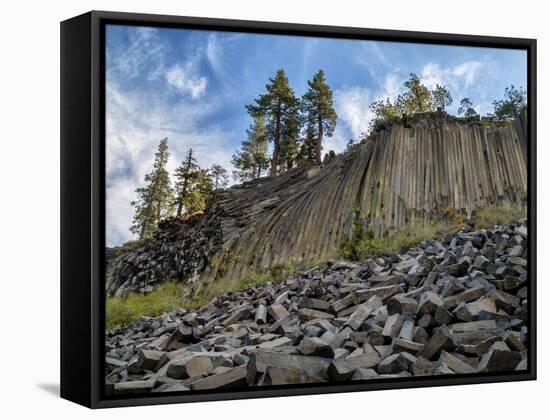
x,y
181,78
144,53
354,115
352,105
217,47
146,56
214,54
391,87
467,71
375,58
459,77
309,47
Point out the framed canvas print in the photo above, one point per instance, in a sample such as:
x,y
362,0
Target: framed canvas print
x,y
256,209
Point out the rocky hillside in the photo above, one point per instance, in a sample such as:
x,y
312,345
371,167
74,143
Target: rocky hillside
x,y
182,249
412,169
457,305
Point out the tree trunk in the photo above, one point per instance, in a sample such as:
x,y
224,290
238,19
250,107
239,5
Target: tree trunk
x,y
159,207
276,140
185,183
255,162
319,140
182,196
180,207
142,233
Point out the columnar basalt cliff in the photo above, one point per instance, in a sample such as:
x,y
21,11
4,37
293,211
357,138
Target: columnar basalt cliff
x,y
411,169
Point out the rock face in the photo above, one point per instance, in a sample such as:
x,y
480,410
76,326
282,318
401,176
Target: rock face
x,y
415,168
322,325
180,251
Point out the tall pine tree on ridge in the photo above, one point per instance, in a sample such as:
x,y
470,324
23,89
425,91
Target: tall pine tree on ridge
x,y
185,176
278,104
219,176
154,200
318,106
253,158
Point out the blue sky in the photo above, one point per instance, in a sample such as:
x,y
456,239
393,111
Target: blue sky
x,y
192,86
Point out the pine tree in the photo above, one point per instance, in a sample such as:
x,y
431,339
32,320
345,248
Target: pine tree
x,y
441,97
253,159
219,176
154,199
199,192
384,112
278,104
515,100
467,108
185,177
416,98
288,155
308,145
318,106
194,186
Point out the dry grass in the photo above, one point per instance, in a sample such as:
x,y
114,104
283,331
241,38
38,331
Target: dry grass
x,y
498,214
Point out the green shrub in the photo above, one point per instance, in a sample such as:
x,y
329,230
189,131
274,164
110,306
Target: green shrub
x,y
498,214
350,248
363,244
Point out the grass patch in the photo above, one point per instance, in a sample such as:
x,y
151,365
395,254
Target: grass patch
x,y
165,297
276,274
251,279
363,244
499,214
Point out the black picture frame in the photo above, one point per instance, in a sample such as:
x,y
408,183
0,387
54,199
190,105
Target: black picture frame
x,y
83,204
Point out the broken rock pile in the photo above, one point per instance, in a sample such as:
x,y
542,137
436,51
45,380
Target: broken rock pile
x,y
180,250
457,305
